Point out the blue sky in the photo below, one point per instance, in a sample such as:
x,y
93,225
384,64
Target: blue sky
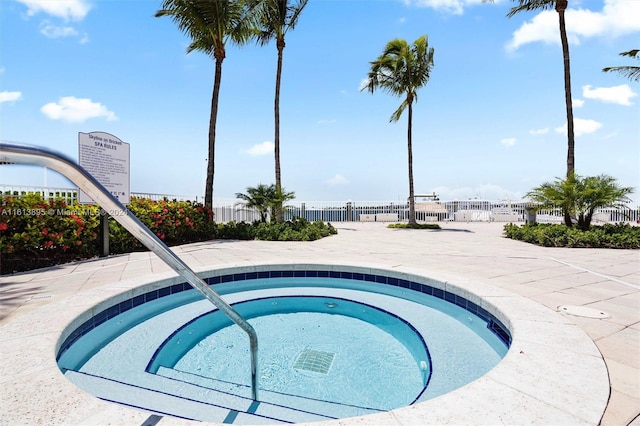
x,y
489,123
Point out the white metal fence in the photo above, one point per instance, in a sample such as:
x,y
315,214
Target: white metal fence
x,y
69,195
380,211
226,210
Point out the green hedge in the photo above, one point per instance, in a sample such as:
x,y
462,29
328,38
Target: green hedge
x,y
298,229
414,226
32,226
619,236
174,222
37,233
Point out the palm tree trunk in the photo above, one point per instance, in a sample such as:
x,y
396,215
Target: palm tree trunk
x,y
561,6
412,208
276,139
208,190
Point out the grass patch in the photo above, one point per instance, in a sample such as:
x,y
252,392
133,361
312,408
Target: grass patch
x,y
414,226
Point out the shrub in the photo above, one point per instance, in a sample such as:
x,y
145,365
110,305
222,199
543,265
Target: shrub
x,y
414,226
36,233
236,231
297,229
35,227
174,222
620,235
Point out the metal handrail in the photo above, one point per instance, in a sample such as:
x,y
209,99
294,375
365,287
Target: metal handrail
x,y
19,154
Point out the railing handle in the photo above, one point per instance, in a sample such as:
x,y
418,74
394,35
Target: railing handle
x,y
19,154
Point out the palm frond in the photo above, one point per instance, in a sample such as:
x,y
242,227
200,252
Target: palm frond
x,y
294,13
401,70
277,17
629,71
634,53
398,113
530,5
210,24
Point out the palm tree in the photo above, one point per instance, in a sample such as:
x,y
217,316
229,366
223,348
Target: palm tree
x,y
560,7
629,71
401,70
277,17
210,24
258,198
266,199
579,197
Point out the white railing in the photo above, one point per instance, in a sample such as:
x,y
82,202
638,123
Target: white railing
x,y
380,211
69,195
227,210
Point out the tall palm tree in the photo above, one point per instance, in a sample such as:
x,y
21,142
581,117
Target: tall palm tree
x,y
401,70
277,17
629,71
560,6
210,24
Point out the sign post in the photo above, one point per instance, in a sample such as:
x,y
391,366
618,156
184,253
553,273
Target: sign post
x,y
107,158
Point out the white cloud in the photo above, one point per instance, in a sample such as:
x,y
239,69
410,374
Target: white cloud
x,y
543,27
539,131
10,96
76,110
263,148
577,103
621,94
70,10
402,20
54,31
508,142
617,18
581,127
455,7
337,180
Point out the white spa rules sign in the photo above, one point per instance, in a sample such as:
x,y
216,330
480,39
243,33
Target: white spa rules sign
x,y
107,158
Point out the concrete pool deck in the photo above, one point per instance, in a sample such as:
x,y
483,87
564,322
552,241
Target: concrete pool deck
x,y
565,350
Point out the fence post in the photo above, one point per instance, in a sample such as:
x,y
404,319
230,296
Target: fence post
x,y
104,233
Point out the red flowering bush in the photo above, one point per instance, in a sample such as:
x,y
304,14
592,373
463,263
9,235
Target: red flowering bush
x,y
38,228
35,232
174,222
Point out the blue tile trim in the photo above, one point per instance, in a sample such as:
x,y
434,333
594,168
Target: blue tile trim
x,y
492,322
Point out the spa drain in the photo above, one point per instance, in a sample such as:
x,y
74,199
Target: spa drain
x,y
314,361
